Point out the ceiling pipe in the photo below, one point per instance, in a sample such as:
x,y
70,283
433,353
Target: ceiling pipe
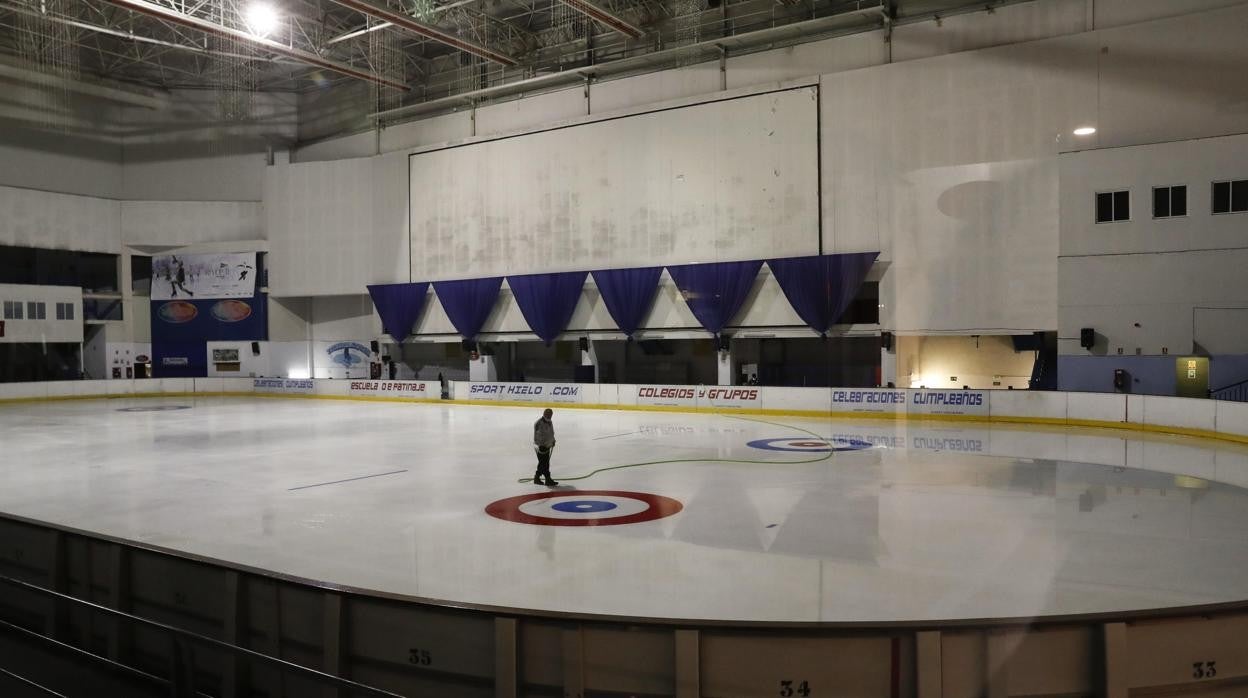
x,y
642,63
441,36
601,15
174,17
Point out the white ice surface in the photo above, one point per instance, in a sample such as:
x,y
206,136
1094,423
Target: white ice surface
x,y
932,522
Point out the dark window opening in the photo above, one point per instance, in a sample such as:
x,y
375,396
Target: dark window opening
x,y
1112,206
1169,202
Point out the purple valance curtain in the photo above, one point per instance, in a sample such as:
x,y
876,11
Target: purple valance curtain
x,y
820,288
715,291
547,300
629,294
468,302
399,306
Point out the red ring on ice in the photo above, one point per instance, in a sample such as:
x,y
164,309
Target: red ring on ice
x,y
509,509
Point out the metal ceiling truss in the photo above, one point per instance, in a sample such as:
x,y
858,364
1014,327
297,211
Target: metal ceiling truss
x,y
443,51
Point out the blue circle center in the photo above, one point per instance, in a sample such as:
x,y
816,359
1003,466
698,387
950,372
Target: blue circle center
x,y
583,506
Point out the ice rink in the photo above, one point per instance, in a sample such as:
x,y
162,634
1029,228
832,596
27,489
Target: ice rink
x,y
775,518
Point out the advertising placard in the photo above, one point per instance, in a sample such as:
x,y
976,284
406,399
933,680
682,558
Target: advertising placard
x,y
396,389
526,392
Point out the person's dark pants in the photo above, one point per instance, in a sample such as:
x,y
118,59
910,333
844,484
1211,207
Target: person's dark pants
x,y
543,465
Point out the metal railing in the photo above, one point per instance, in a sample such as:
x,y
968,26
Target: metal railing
x,y
1235,392
182,643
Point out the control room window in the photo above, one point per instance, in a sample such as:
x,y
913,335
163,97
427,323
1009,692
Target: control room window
x,y
36,311
1112,206
1230,197
12,310
1170,202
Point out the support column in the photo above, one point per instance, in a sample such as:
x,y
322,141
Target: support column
x,y
726,364
482,369
589,357
888,362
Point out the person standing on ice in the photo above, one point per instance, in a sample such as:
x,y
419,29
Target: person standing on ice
x,y
544,442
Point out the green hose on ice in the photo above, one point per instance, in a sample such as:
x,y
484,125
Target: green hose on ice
x,y
825,456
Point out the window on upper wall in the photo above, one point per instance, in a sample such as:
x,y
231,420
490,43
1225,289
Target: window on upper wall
x,y
64,311
1230,197
1113,206
36,311
1170,202
12,310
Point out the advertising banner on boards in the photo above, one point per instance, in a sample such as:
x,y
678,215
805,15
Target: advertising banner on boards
x,y
526,392
959,402
290,386
395,389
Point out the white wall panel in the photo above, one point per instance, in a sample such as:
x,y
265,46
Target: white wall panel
x,y
1010,24
613,95
805,60
534,111
175,172
190,222
55,161
48,329
356,145
341,318
438,129
30,218
1113,293
652,188
945,166
1110,13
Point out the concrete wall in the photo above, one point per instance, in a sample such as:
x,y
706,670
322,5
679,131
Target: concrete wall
x,y
1151,286
49,329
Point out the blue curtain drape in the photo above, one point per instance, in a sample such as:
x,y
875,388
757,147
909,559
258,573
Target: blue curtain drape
x,y
547,300
821,287
399,306
468,302
715,291
629,294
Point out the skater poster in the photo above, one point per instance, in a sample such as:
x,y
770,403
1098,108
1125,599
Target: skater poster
x,y
203,276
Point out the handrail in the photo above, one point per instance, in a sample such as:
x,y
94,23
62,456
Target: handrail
x,y
1228,387
85,654
32,684
281,664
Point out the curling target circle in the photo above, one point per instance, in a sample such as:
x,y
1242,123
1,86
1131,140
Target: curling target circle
x,y
583,508
155,408
809,444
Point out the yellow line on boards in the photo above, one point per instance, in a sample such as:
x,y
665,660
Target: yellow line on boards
x,y
809,414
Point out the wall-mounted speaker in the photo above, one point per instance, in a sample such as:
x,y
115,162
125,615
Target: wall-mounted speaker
x,y
583,342
1087,337
468,345
886,341
374,346
255,348
722,342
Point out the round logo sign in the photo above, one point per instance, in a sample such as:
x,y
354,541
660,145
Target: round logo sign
x,y
155,408
177,312
584,508
809,444
231,311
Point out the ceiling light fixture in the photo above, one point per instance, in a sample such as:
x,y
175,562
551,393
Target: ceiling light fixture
x,y
1085,130
261,19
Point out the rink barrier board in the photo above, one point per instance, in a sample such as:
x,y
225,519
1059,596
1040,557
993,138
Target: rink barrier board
x,y
1135,409
1162,652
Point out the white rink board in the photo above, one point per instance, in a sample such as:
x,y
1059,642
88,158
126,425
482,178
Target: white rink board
x,y
1141,410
